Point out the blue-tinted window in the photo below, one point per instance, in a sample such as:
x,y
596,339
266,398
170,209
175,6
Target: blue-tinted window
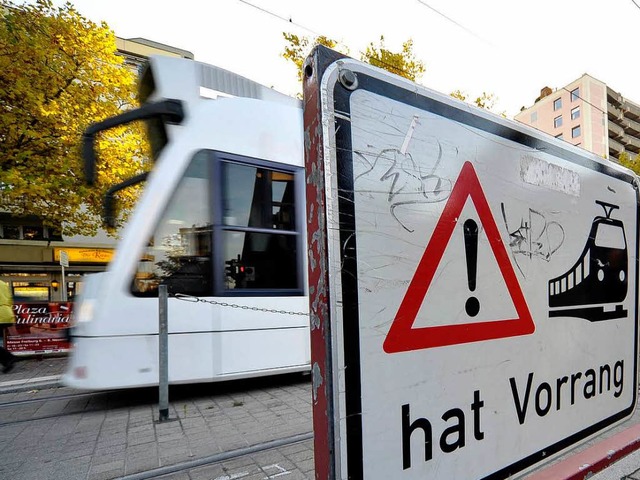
x,y
575,113
575,94
557,122
575,132
557,104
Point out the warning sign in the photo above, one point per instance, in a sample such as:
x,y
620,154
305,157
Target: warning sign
x,y
473,284
402,336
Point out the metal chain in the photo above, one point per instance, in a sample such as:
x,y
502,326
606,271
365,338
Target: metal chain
x,y
193,299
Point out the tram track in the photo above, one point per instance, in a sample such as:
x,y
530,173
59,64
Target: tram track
x,y
68,396
43,400
102,400
46,417
220,457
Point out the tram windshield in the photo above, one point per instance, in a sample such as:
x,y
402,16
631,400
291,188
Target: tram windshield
x,y
610,236
179,251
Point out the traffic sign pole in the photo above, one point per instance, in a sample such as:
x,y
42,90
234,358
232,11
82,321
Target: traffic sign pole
x,y
64,262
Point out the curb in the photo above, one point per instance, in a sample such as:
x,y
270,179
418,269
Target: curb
x,y
40,383
594,459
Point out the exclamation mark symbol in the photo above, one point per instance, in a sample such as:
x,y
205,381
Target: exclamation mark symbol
x,y
472,306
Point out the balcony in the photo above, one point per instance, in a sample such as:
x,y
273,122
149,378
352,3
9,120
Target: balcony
x,y
614,114
615,130
614,97
631,144
615,148
631,110
631,127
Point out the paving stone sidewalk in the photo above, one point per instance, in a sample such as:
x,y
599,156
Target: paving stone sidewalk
x,y
116,434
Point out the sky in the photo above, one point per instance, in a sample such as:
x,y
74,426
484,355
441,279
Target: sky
x,y
508,48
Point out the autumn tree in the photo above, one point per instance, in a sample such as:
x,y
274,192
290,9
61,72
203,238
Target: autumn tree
x,y
297,48
486,100
59,72
402,63
629,161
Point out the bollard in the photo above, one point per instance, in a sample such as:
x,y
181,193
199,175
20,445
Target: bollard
x,y
163,354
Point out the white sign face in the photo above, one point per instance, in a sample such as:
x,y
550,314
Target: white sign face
x,y
484,286
64,259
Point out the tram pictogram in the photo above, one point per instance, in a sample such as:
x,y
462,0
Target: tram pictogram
x,y
596,284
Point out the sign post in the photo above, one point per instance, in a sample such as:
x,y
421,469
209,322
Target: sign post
x,y
474,301
163,355
64,263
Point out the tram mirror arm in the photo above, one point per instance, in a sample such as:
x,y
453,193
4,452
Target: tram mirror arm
x,y
169,111
108,207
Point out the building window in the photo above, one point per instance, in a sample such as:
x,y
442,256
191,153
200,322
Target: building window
x,y
33,232
575,113
11,232
575,131
534,117
575,94
26,232
557,104
559,136
31,291
557,122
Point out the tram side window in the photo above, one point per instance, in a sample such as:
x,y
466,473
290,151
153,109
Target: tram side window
x,y
258,235
179,251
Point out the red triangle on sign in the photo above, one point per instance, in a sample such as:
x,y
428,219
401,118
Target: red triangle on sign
x,y
402,337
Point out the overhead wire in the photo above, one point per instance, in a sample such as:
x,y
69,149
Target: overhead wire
x,y
316,34
280,17
421,2
457,24
584,100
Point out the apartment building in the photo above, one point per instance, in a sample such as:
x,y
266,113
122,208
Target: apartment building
x,y
30,253
590,114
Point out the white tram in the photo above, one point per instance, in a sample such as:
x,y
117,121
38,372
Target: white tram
x,y
221,221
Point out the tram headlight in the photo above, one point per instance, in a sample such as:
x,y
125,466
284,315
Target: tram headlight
x,y
84,314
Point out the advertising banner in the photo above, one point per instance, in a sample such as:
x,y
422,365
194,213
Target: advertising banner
x,y
40,328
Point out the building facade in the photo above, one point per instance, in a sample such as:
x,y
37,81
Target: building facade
x,y
30,254
588,114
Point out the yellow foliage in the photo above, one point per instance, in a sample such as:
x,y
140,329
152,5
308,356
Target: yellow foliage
x,y
298,48
60,73
403,63
629,161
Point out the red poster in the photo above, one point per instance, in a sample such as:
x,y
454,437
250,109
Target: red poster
x,y
40,328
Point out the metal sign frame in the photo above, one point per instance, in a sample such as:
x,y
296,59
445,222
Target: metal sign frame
x,y
337,362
